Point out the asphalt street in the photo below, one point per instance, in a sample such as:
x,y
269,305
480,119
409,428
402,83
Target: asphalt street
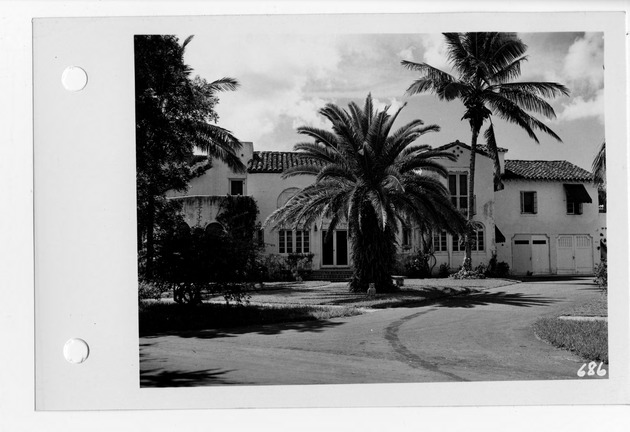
x,y
480,337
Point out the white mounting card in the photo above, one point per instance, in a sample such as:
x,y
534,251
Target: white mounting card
x,y
85,216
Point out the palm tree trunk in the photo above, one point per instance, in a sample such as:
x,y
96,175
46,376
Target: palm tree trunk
x,y
467,264
373,255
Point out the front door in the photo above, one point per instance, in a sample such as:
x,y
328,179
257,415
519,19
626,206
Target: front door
x,y
335,249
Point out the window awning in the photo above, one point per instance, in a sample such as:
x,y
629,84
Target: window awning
x,y
498,235
577,193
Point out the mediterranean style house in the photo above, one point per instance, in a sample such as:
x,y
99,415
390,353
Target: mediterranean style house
x,y
546,220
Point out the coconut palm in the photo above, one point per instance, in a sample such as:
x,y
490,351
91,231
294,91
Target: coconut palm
x,y
599,167
485,65
373,178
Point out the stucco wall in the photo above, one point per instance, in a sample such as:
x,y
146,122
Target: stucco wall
x,y
551,220
216,181
485,206
266,188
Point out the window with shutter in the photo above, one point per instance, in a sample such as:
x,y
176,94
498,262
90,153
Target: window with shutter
x,y
529,204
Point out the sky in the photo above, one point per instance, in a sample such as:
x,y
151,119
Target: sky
x,y
286,79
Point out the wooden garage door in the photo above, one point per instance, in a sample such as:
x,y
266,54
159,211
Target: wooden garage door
x,y
530,254
575,254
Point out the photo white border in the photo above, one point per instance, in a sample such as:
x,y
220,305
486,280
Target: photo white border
x,y
18,317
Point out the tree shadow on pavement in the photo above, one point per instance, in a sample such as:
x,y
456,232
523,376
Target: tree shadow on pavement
x,y
314,326
486,298
176,378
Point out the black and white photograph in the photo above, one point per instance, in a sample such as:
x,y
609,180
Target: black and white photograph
x,y
371,208
404,218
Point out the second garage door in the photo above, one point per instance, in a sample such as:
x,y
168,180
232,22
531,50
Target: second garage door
x,y
575,254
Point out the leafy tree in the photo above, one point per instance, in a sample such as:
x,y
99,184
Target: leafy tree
x,y
174,114
375,179
485,65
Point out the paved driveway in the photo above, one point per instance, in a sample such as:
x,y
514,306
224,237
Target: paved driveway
x,y
481,337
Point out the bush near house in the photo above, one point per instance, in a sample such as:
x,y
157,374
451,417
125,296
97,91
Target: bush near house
x,y
191,261
601,276
493,269
417,265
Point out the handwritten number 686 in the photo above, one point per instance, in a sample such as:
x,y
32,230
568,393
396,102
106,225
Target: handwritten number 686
x,y
589,369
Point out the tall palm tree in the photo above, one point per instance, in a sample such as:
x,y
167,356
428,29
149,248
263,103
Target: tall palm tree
x,y
374,179
485,65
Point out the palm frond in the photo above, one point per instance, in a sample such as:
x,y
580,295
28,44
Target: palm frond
x,y
543,89
599,166
224,84
219,143
494,154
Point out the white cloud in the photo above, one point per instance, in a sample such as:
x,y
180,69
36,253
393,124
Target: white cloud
x,y
407,53
580,108
275,72
394,104
435,51
584,75
584,62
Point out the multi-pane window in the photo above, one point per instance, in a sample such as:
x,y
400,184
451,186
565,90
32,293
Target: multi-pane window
x,y
236,187
439,241
478,244
287,239
458,188
574,208
529,204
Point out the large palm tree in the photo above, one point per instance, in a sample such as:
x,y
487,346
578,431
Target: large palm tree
x,y
374,178
485,64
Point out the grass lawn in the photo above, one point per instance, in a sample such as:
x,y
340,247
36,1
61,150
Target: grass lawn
x,y
336,294
297,301
588,339
598,307
156,317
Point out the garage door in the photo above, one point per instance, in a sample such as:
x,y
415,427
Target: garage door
x,y
575,254
530,254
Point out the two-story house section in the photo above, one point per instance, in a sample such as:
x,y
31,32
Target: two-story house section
x,y
447,248
271,191
549,218
546,221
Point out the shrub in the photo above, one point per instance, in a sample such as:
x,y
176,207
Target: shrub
x,y
275,268
444,270
468,274
151,290
196,260
601,275
300,265
496,269
420,264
